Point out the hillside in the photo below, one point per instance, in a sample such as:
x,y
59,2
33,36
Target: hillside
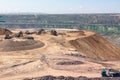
x,y
94,22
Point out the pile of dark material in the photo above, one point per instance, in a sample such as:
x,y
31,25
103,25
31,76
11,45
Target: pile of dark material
x,y
70,63
69,78
19,34
29,37
41,31
53,32
10,36
7,36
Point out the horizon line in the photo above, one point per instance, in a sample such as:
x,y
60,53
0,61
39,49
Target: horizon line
x,y
41,13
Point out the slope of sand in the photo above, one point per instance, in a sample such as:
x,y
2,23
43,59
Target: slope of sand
x,y
59,57
97,47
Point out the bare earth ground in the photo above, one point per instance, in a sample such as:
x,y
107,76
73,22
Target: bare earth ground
x,y
56,58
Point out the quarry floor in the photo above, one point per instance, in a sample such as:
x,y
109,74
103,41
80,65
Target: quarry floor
x,y
57,58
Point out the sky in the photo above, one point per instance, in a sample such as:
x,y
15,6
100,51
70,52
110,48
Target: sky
x,y
60,6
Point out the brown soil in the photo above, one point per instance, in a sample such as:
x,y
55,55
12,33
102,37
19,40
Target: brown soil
x,y
4,31
97,47
11,45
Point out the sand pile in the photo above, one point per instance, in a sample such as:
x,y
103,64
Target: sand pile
x,y
96,46
12,45
4,31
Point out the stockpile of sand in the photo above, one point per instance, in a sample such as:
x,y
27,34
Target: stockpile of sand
x,y
12,45
96,46
4,31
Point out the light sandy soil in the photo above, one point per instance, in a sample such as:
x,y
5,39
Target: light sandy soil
x,y
17,65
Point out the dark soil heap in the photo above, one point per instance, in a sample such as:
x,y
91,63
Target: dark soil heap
x,y
69,78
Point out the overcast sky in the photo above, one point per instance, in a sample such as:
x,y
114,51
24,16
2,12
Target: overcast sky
x,y
60,6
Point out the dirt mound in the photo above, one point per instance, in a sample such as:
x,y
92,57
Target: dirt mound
x,y
4,31
69,78
96,46
12,45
